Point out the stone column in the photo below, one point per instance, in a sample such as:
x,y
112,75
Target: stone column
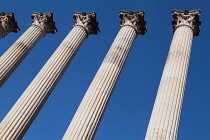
x,y
42,24
166,113
25,110
87,118
7,24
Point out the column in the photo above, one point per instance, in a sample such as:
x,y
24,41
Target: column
x,y
7,24
164,121
25,110
87,118
42,24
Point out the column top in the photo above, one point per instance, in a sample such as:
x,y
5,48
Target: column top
x,y
134,19
44,21
8,23
187,18
87,21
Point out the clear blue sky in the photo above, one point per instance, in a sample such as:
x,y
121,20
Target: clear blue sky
x,y
129,109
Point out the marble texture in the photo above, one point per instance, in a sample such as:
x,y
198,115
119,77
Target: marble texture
x,y
164,121
42,24
20,117
87,117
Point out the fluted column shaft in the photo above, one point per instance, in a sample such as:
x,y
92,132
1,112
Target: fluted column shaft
x,y
12,58
28,105
25,110
164,121
167,108
87,118
93,104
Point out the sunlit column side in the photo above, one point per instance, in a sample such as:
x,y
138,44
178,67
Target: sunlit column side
x,y
42,24
7,24
25,110
87,118
166,112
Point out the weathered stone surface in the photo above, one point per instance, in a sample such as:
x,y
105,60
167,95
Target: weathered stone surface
x,y
8,24
87,118
134,19
45,21
164,121
42,23
187,18
25,110
87,21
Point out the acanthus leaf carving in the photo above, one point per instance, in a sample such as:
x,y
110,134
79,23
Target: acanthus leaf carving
x,y
45,21
134,19
187,18
8,23
87,21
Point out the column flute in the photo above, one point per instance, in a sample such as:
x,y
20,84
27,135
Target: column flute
x,y
42,24
164,121
7,24
25,110
87,118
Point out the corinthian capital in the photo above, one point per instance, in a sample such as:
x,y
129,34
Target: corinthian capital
x,y
45,21
8,23
187,18
88,21
134,19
